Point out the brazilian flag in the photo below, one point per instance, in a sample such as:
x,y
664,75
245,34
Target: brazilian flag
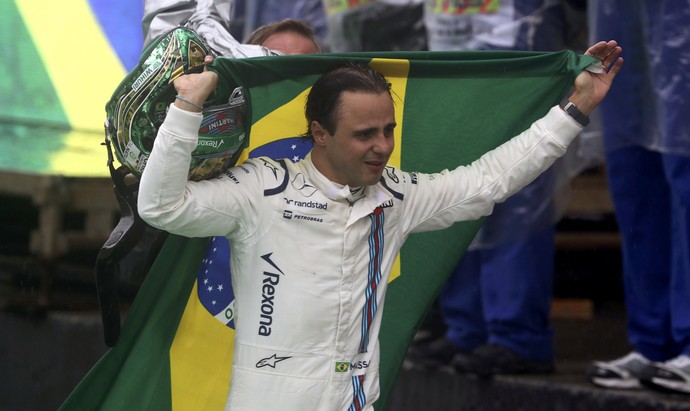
x,y
175,348
60,62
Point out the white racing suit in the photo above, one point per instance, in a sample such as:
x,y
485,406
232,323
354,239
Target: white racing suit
x,y
310,261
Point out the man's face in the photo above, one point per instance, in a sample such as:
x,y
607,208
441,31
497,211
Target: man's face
x,y
357,153
290,43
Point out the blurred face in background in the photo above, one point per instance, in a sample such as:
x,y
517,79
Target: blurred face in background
x,y
290,43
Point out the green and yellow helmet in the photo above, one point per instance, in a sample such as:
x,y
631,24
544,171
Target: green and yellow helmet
x,y
139,105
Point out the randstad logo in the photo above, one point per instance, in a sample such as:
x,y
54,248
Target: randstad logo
x,y
306,204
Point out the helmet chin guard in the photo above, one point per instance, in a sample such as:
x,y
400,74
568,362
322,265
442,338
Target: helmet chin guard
x,y
140,103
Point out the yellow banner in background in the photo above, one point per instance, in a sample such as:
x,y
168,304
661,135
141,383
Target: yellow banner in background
x,y
339,6
463,6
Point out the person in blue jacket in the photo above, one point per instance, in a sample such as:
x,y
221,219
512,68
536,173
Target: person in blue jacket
x,y
646,122
496,304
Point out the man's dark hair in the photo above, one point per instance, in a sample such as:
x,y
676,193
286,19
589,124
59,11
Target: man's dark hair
x,y
261,34
324,97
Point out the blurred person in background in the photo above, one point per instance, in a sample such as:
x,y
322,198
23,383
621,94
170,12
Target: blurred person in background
x,y
375,25
211,20
646,122
257,13
496,304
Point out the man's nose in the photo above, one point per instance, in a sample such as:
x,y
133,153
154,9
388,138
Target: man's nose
x,y
382,144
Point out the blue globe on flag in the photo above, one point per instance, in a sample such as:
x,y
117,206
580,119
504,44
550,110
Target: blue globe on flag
x,y
214,286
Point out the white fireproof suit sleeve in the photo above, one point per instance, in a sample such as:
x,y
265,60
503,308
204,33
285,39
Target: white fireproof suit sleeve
x,y
166,200
470,192
196,209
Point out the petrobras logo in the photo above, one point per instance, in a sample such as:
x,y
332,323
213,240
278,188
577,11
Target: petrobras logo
x,y
289,215
308,218
143,77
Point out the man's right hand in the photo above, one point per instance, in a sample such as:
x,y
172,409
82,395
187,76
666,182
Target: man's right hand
x,y
195,88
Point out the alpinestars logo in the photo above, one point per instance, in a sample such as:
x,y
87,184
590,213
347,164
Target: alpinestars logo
x,y
268,291
270,361
390,172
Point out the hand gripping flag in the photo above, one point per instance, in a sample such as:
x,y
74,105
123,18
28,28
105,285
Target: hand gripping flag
x,y
175,349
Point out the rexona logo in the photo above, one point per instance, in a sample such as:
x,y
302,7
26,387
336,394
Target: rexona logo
x,y
211,143
270,282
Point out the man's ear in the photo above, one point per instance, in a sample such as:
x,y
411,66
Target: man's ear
x,y
318,133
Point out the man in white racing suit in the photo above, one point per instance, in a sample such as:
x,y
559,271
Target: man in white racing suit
x,y
313,242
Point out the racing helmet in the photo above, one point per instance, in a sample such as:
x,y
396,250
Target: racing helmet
x,y
139,105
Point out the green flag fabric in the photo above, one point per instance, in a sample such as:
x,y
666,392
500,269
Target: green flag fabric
x,y
451,107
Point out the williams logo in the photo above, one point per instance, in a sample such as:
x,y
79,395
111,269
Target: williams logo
x,y
150,70
270,361
386,204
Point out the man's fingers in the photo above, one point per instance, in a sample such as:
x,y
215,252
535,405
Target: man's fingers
x,y
608,52
616,67
603,49
596,49
612,56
